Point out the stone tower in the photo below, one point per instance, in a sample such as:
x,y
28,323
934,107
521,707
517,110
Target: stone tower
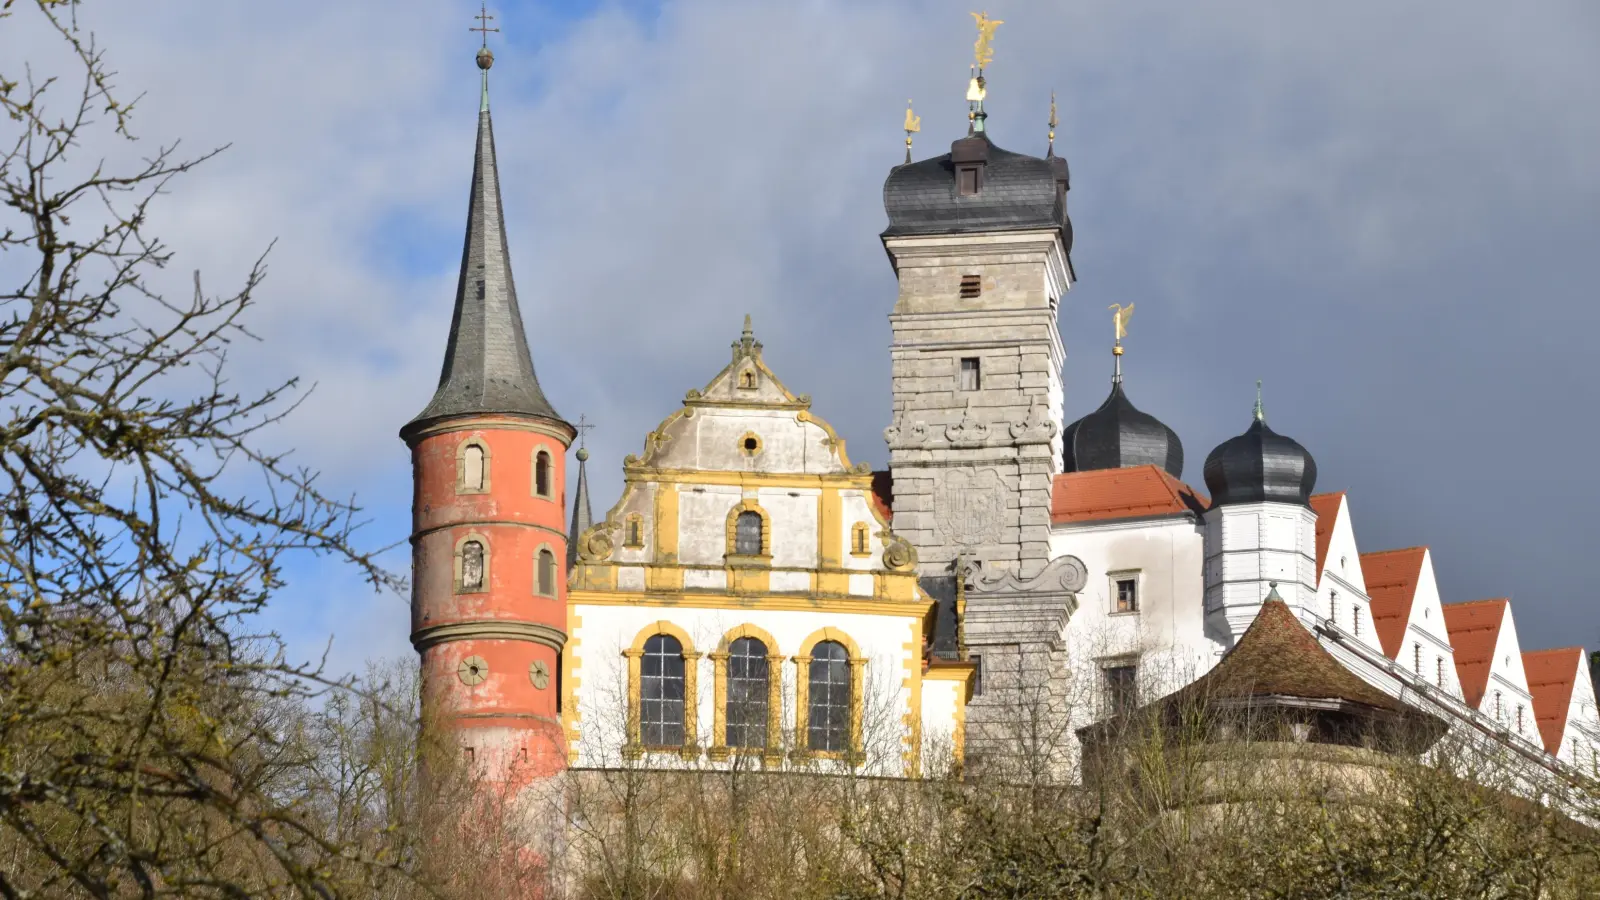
x,y
489,551
980,239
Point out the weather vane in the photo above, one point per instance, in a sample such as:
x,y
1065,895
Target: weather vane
x,y
982,52
913,125
982,55
1052,149
1119,317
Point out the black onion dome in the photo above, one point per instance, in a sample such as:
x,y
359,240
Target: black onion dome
x,y
1260,465
1117,436
1015,192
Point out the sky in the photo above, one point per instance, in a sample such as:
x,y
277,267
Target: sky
x,y
1387,210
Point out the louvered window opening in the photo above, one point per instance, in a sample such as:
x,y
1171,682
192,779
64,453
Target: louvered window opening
x,y
971,287
748,683
661,692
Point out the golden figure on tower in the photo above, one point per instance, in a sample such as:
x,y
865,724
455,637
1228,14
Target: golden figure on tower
x,y
982,52
913,125
1120,315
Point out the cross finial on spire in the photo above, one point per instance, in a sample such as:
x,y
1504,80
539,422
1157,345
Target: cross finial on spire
x,y
485,55
1260,412
583,427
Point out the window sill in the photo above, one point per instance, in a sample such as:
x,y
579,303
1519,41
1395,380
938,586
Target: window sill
x,y
1124,612
633,752
767,755
852,757
747,561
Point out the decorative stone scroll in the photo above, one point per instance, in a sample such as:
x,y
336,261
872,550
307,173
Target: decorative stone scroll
x,y
1035,429
1065,574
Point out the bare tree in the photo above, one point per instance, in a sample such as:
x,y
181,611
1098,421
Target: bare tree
x,y
142,522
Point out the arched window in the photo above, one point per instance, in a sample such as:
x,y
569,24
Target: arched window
x,y
472,566
747,534
547,572
828,718
748,684
859,539
661,692
633,532
541,473
474,468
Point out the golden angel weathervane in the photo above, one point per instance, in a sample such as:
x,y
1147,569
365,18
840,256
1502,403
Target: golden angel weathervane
x,y
982,52
1120,315
913,125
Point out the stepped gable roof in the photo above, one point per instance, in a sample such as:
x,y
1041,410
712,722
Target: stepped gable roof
x,y
1551,677
1326,506
1278,657
1105,495
1118,435
883,494
1017,193
1392,577
488,368
1474,629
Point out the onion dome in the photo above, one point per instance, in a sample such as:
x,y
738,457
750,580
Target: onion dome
x,y
1259,466
1117,436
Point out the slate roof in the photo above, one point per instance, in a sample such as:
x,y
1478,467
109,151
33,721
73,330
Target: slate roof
x,y
1392,577
1326,506
1551,676
1111,494
1018,193
1118,435
487,365
1474,629
1260,465
582,514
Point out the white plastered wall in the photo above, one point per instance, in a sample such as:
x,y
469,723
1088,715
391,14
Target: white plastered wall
x,y
1426,629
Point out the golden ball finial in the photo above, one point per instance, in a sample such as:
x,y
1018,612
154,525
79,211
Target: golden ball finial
x,y
583,454
485,58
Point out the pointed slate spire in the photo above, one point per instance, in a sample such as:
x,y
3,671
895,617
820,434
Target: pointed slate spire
x,y
487,366
582,517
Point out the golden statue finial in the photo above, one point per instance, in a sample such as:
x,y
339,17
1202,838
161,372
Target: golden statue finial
x,y
1051,150
982,52
1119,316
913,125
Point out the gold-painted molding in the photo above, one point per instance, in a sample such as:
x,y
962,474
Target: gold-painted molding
x,y
739,479
488,630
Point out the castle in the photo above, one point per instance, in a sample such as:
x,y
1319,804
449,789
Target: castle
x,y
754,598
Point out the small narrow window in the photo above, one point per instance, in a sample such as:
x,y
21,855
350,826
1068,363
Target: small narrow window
x,y
472,566
1438,672
747,379
971,375
473,470
1333,606
1355,619
747,534
1122,689
633,532
1519,718
467,754
1416,658
1127,595
1499,707
547,573
541,473
859,539
971,287
977,675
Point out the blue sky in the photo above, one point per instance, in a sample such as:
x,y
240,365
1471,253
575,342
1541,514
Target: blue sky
x,y
1386,211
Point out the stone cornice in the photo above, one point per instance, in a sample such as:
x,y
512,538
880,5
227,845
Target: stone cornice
x,y
561,431
488,630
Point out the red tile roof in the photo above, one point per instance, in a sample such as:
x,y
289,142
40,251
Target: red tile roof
x,y
883,494
1326,506
1474,628
1551,675
1391,577
1109,494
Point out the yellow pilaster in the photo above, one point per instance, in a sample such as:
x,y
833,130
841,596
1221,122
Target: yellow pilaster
x,y
665,576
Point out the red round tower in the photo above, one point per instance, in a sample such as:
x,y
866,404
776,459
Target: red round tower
x,y
489,556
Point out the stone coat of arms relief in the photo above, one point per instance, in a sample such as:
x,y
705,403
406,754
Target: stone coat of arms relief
x,y
970,507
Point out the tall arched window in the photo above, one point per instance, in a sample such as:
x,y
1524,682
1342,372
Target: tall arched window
x,y
472,566
828,718
661,692
547,572
474,468
748,675
541,473
747,534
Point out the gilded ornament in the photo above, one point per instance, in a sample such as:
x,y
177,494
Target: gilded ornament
x,y
983,51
